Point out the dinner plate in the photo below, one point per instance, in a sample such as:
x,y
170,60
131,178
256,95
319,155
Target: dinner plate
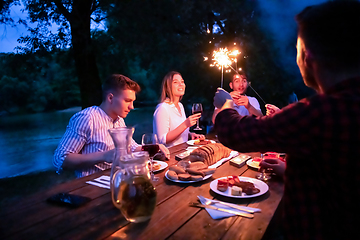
x,y
263,187
181,181
253,164
163,165
192,142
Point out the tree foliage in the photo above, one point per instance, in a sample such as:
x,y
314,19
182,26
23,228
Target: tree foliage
x,y
143,40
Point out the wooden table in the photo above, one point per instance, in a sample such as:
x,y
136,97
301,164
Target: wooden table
x,y
34,218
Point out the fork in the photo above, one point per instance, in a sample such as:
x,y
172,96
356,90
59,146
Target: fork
x,y
213,202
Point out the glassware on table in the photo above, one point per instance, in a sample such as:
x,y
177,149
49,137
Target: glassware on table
x,y
197,108
150,144
131,188
265,173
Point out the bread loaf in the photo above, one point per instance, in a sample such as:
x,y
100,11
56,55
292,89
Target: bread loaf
x,y
210,153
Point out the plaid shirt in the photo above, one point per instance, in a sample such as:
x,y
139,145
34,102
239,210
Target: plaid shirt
x,y
321,137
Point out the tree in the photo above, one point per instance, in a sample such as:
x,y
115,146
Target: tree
x,y
167,35
73,18
146,39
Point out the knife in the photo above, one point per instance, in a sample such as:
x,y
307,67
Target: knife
x,y
241,208
248,215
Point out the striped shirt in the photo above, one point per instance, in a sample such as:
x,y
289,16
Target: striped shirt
x,y
87,132
321,138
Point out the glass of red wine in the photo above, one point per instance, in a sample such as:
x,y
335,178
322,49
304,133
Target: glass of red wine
x,y
197,108
150,144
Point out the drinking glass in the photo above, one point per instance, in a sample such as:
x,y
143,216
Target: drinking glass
x,y
150,144
197,108
265,173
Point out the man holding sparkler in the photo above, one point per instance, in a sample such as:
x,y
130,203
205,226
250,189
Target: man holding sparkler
x,y
244,105
320,134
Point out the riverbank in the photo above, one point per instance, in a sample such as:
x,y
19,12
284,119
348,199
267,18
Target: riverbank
x,y
13,189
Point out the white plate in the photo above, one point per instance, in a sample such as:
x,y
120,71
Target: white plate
x,y
163,165
181,181
253,164
263,187
192,142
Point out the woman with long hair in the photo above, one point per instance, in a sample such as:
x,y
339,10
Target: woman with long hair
x,y
170,122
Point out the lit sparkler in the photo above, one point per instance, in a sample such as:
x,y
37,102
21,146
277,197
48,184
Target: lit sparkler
x,y
249,85
223,58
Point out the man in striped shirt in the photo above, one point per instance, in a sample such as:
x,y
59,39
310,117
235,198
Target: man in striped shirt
x,y
87,145
320,135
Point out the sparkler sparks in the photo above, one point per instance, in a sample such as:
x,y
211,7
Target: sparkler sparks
x,y
223,58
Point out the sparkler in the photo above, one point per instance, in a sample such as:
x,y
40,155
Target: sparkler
x,y
250,86
223,58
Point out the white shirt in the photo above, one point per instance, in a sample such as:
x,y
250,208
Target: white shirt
x,y
242,109
166,118
87,132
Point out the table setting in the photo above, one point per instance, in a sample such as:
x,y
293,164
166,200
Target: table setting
x,y
219,209
185,220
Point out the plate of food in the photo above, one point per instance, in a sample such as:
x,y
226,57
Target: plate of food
x,y
158,165
239,187
199,142
254,162
189,172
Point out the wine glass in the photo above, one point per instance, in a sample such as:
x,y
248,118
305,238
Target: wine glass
x,y
150,143
197,108
265,173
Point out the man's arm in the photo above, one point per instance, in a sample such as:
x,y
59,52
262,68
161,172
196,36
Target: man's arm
x,y
67,154
253,110
77,160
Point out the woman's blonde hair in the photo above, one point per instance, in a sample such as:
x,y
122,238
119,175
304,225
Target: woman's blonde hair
x,y
166,90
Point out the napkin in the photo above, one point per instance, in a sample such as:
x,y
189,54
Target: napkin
x,y
220,97
215,214
103,182
218,163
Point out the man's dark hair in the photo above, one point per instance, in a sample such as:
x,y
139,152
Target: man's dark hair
x,y
240,74
117,82
330,32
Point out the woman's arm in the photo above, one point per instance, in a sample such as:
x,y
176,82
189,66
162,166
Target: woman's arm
x,y
190,121
162,125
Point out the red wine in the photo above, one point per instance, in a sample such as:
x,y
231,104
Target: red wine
x,y
152,149
198,111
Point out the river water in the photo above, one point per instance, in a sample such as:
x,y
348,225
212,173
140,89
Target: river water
x,y
28,142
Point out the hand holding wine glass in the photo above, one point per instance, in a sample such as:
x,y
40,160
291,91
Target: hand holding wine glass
x,y
197,108
150,144
265,172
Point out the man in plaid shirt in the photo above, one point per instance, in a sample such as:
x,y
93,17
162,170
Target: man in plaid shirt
x,y
320,135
